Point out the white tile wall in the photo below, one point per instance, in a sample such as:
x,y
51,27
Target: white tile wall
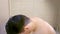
x,y
4,14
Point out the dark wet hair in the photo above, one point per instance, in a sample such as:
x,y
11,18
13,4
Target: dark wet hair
x,y
16,23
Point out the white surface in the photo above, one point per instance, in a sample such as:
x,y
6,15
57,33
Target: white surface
x,y
4,13
45,9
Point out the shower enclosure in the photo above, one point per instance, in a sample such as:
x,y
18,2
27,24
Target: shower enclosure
x,y
45,9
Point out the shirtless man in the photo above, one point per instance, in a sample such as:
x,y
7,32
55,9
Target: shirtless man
x,y
21,24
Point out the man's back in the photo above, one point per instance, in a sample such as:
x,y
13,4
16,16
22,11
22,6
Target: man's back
x,y
42,27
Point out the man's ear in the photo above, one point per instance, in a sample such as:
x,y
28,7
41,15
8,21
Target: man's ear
x,y
29,27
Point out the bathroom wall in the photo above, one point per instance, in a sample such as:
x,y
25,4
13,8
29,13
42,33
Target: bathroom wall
x,y
4,14
45,9
58,17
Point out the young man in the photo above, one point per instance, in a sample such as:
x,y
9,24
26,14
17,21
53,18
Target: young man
x,y
21,24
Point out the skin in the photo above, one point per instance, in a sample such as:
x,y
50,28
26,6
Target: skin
x,y
28,28
32,27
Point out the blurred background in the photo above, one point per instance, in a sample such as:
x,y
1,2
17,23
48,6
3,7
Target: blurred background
x,y
48,10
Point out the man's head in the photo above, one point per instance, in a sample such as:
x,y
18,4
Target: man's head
x,y
16,23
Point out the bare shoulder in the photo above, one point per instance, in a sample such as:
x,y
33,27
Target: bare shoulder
x,y
38,19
